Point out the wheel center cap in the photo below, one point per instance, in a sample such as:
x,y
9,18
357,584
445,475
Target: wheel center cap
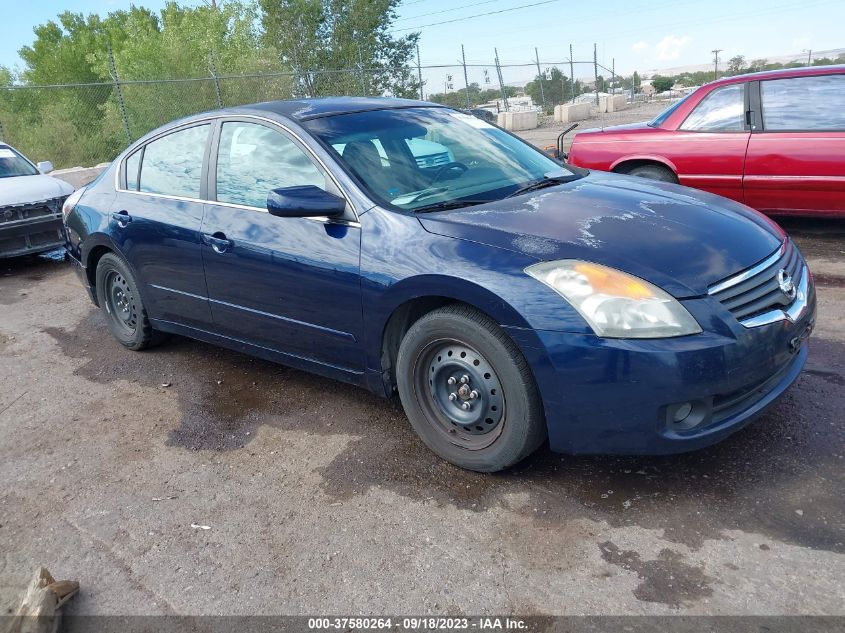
x,y
464,392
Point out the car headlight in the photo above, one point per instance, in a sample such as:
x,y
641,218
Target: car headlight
x,y
71,202
615,304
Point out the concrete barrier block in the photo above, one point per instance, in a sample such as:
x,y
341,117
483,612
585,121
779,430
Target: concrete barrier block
x,y
569,112
616,103
516,121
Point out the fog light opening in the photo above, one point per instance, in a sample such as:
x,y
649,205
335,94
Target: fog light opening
x,y
685,416
682,412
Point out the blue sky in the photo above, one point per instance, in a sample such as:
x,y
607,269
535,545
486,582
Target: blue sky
x,y
639,35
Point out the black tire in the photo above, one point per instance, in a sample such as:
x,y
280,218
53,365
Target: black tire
x,y
503,422
654,172
118,296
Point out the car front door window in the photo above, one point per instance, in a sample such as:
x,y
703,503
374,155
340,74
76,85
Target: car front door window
x,y
722,110
253,160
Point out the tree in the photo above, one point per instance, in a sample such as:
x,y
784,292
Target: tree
x,y
457,98
662,84
348,40
556,88
736,65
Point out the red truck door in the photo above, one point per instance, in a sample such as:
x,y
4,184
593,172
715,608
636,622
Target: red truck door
x,y
796,156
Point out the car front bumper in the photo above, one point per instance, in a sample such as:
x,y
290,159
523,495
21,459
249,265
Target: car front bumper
x,y
31,228
622,396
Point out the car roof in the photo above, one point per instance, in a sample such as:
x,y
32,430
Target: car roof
x,y
305,109
782,73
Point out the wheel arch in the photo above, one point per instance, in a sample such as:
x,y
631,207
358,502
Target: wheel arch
x,y
405,307
626,164
93,250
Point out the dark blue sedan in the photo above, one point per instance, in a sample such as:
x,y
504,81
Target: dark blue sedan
x,y
407,247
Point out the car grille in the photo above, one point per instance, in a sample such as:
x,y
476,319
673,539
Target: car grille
x,y
433,160
758,289
30,227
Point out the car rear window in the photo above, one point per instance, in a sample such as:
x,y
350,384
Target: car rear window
x,y
804,103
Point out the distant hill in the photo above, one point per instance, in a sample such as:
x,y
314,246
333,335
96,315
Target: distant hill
x,y
780,59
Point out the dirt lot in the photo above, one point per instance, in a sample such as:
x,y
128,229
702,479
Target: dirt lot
x,y
318,497
548,131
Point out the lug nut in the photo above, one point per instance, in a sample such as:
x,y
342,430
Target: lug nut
x,y
464,379
465,406
451,380
473,394
453,396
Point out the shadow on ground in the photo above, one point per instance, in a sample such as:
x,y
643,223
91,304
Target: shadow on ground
x,y
781,476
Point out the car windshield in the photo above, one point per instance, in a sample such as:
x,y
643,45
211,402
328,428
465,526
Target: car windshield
x,y
433,158
13,164
661,118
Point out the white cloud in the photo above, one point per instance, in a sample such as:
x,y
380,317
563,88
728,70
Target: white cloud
x,y
640,46
670,47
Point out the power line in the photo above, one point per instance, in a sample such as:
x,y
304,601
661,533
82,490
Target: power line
x,y
477,15
466,6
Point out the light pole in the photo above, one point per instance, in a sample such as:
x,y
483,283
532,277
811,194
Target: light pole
x,y
716,52
809,55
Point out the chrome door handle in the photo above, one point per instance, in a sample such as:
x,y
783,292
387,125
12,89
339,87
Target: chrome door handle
x,y
122,218
217,241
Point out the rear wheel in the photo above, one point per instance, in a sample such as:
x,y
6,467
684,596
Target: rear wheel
x,y
118,296
654,172
468,391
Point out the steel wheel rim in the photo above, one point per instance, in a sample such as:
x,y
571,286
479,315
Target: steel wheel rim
x,y
461,394
120,302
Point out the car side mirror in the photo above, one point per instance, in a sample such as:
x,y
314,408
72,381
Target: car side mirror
x,y
45,166
305,201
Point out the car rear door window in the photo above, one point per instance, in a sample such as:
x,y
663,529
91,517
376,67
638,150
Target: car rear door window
x,y
172,165
722,110
254,159
804,103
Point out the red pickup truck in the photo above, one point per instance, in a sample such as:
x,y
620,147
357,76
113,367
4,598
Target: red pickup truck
x,y
773,140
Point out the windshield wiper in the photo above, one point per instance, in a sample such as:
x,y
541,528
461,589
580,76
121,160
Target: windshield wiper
x,y
542,183
419,195
448,204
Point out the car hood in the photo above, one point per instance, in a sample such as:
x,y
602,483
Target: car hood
x,y
677,238
25,189
641,125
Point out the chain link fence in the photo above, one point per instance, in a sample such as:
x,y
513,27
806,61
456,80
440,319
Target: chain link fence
x,y
85,124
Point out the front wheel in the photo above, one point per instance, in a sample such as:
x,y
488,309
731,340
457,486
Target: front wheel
x,y
653,172
468,391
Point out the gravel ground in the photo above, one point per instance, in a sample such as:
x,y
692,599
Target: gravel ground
x,y
318,498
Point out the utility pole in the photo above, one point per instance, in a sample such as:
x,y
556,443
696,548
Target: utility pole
x,y
613,74
596,70
809,57
419,73
540,78
501,81
716,52
466,79
571,74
